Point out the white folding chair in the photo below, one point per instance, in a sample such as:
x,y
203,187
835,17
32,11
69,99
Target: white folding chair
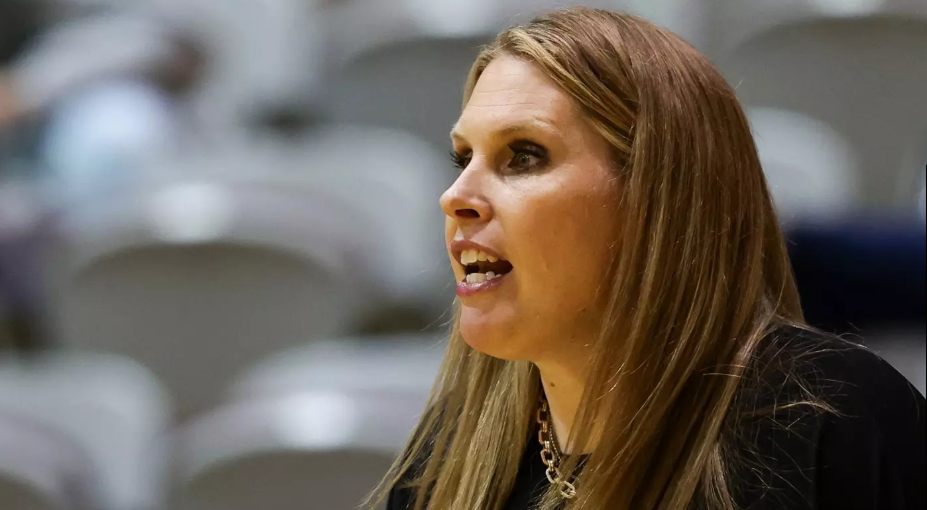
x,y
737,23
405,363
110,408
41,470
856,66
403,63
811,169
414,85
314,426
197,276
690,19
378,187
393,182
312,450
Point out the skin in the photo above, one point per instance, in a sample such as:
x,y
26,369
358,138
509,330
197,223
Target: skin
x,y
536,186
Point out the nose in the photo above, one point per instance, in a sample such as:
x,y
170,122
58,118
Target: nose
x,y
465,201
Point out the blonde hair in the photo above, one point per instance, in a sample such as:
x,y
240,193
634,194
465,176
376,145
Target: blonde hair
x,y
701,276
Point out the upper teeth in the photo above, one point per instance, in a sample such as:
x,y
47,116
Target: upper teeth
x,y
468,257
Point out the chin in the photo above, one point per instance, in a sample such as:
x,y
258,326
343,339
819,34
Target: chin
x,y
492,337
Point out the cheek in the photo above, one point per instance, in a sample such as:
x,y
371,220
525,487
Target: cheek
x,y
568,239
450,230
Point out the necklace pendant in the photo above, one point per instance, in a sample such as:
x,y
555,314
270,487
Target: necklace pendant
x,y
567,490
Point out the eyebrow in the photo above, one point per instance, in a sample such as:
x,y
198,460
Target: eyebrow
x,y
534,124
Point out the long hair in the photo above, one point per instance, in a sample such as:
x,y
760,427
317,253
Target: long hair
x,y
701,275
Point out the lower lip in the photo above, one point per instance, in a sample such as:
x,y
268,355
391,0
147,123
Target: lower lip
x,y
465,289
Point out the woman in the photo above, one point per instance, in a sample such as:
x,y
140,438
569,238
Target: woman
x,y
628,334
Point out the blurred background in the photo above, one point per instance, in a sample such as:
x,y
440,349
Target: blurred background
x,y
222,276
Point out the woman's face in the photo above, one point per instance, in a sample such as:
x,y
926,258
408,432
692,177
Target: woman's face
x,y
536,195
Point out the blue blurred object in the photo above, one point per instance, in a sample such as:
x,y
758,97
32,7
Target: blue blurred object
x,y
857,275
97,140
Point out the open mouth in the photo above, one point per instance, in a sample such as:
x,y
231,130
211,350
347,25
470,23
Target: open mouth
x,y
481,267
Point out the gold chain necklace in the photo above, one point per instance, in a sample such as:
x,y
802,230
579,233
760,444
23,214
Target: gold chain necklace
x,y
550,454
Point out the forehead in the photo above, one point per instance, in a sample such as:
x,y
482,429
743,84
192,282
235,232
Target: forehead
x,y
512,93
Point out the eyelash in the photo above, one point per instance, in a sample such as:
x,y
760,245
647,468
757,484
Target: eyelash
x,y
460,161
518,148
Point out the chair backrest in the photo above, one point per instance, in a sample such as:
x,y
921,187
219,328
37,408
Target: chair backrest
x,y
403,63
109,407
392,181
811,169
288,480
401,363
321,450
202,267
816,58
414,85
372,191
314,426
41,470
737,23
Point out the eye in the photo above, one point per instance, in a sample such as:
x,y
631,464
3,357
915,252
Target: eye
x,y
460,160
527,157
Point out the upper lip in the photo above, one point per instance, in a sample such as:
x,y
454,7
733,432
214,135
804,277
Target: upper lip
x,y
457,247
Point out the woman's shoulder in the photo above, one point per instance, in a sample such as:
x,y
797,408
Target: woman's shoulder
x,y
832,425
846,376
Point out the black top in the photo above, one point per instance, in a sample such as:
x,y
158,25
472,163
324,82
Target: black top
x,y
868,456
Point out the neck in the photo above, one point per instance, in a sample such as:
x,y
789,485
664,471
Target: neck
x,y
564,390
